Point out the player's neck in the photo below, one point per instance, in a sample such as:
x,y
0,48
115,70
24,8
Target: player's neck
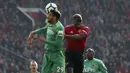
x,y
90,59
54,22
34,72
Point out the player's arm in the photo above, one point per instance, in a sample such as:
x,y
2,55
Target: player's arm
x,y
37,31
40,30
57,42
102,67
82,35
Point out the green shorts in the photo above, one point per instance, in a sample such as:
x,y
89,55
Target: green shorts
x,y
54,61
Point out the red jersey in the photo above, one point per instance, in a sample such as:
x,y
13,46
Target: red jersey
x,y
76,45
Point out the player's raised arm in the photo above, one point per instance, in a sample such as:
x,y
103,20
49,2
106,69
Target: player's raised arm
x,y
37,31
59,38
40,30
102,67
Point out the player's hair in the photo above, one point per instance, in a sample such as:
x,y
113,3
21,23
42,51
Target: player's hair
x,y
78,16
56,13
34,62
90,50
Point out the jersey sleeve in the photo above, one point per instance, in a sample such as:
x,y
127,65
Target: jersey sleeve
x,y
59,38
40,30
102,67
65,30
86,31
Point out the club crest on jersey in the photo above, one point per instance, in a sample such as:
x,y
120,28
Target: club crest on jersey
x,y
93,65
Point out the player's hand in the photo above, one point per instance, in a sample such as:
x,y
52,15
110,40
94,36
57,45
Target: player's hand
x,y
36,36
83,32
30,39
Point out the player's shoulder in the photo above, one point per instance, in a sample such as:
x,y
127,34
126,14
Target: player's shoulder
x,y
85,27
69,26
98,60
85,60
59,25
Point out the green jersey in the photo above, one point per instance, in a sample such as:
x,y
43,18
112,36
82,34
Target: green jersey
x,y
54,35
94,66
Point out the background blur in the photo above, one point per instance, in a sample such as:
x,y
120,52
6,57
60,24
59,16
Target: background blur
x,y
109,21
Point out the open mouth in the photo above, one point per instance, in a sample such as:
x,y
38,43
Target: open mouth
x,y
33,68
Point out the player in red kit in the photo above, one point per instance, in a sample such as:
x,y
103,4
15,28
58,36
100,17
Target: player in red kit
x,y
75,36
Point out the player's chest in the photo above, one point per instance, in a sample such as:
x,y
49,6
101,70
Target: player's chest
x,y
74,31
51,31
90,67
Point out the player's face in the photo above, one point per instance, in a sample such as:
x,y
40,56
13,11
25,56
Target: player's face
x,y
33,67
50,17
76,22
89,55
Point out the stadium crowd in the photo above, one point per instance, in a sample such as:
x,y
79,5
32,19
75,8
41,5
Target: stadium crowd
x,y
108,20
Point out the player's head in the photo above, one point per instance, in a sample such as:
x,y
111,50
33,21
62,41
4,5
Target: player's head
x,y
77,20
90,53
53,15
33,66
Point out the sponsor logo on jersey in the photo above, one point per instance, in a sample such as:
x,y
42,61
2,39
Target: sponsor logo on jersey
x,y
88,69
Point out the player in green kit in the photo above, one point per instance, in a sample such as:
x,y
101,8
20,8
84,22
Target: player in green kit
x,y
93,65
54,60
